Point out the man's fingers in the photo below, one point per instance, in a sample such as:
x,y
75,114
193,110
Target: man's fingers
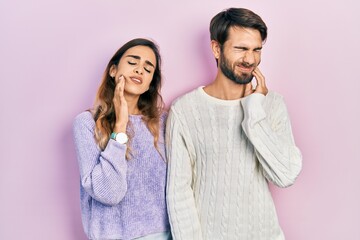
x,y
248,89
260,79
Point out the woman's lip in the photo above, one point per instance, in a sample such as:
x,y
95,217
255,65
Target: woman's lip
x,y
136,80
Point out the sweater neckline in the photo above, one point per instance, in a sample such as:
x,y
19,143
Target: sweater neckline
x,y
212,99
135,117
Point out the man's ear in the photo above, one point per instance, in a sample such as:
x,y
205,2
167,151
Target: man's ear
x,y
112,71
215,47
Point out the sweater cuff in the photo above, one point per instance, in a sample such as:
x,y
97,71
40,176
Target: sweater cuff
x,y
253,108
114,149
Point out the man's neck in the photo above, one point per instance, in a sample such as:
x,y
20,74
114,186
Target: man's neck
x,y
225,89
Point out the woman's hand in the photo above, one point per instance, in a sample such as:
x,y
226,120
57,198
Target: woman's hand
x,y
120,106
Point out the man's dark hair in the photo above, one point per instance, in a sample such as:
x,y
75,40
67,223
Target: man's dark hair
x,y
235,17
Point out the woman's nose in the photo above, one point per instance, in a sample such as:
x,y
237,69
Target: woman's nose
x,y
138,70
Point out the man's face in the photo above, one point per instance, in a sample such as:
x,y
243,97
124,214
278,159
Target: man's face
x,y
241,54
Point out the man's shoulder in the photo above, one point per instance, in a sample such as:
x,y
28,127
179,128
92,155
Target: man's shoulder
x,y
186,98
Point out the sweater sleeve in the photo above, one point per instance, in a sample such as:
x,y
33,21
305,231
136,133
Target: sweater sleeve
x,y
183,216
102,173
271,135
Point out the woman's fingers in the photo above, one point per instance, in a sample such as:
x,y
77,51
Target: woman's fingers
x,y
121,86
120,105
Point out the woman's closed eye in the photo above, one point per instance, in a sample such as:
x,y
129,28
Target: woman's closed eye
x,y
147,69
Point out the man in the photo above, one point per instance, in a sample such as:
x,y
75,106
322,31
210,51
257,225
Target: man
x,y
225,141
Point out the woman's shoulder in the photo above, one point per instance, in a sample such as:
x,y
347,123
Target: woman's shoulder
x,y
84,119
163,115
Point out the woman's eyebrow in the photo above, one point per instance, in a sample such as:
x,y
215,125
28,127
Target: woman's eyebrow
x,y
138,57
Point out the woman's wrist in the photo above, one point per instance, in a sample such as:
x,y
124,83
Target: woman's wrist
x,y
120,127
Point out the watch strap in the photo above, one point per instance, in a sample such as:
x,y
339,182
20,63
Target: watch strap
x,y
120,137
113,135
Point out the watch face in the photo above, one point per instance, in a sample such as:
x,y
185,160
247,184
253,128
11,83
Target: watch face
x,y
121,138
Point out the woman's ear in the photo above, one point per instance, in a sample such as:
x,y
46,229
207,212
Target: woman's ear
x,y
112,71
215,47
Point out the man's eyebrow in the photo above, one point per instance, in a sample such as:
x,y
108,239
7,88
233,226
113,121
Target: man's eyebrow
x,y
241,47
138,57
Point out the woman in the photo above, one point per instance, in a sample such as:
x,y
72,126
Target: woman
x,y
120,149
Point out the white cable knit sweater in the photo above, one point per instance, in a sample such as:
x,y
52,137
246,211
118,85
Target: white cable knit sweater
x,y
221,154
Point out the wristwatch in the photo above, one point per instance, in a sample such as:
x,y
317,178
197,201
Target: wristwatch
x,y
120,137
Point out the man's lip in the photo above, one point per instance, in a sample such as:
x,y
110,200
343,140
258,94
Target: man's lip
x,y
136,80
245,69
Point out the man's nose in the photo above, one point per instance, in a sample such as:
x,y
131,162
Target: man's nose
x,y
249,57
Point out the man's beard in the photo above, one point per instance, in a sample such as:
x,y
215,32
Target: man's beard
x,y
230,74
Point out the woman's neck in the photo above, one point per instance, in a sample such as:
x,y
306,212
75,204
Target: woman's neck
x,y
132,102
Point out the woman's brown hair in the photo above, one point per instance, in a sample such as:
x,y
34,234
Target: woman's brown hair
x,y
150,103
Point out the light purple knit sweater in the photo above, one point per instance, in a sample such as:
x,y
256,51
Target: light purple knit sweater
x,y
121,199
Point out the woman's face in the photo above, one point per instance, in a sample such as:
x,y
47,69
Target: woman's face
x,y
137,65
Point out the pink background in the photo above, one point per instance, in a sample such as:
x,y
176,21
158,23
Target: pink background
x,y
52,54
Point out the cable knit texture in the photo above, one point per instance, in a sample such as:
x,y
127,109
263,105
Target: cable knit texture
x,y
221,154
121,199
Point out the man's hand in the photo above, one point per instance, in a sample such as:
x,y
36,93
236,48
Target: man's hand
x,y
260,84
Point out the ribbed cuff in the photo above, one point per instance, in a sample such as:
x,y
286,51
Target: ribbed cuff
x,y
253,109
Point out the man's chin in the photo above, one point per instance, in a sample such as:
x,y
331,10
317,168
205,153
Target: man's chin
x,y
243,80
